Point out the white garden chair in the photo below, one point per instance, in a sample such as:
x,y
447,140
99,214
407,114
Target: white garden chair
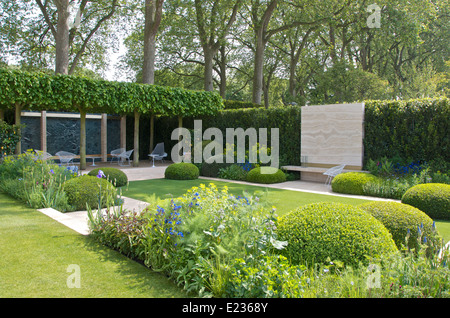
x,y
333,172
115,154
124,156
158,153
42,155
65,157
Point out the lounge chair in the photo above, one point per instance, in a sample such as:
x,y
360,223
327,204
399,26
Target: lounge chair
x,y
65,157
158,153
124,156
333,172
115,154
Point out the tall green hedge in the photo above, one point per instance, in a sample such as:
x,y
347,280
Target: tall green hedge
x,y
414,129
286,119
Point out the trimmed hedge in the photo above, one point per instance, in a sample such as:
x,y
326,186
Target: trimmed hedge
x,y
116,176
323,232
402,219
431,198
416,129
235,104
181,171
351,182
88,190
271,175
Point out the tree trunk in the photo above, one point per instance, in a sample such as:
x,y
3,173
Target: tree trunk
x,y
223,72
148,69
62,38
209,55
82,140
258,69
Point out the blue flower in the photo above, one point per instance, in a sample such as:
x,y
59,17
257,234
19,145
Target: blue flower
x,y
100,174
51,171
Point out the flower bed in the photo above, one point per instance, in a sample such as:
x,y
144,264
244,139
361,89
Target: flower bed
x,y
216,244
44,184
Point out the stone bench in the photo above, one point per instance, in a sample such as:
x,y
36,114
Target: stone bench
x,y
314,174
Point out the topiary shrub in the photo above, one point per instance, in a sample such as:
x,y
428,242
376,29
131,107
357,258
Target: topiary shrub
x,y
182,171
266,175
351,182
402,221
320,232
116,176
88,190
431,198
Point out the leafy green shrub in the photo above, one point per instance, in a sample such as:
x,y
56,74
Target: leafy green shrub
x,y
266,175
181,171
9,137
212,169
233,172
351,182
407,224
235,104
431,198
116,176
333,231
266,277
89,190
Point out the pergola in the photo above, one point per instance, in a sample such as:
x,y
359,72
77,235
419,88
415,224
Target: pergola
x,y
38,91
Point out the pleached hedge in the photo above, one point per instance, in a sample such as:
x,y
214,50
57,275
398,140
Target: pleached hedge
x,y
40,91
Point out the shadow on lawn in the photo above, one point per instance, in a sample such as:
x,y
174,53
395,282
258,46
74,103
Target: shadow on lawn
x,y
138,277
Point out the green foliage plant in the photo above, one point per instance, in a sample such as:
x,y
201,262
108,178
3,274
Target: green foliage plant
x,y
266,175
351,182
233,172
409,226
182,171
9,137
116,176
36,182
431,198
87,190
333,231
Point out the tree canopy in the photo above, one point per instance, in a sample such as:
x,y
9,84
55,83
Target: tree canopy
x,y
274,52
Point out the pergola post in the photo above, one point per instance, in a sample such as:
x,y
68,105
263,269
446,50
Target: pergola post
x,y
82,140
18,115
137,116
123,132
44,131
152,132
104,138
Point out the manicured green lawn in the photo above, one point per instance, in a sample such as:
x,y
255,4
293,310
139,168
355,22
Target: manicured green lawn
x,y
36,252
283,200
